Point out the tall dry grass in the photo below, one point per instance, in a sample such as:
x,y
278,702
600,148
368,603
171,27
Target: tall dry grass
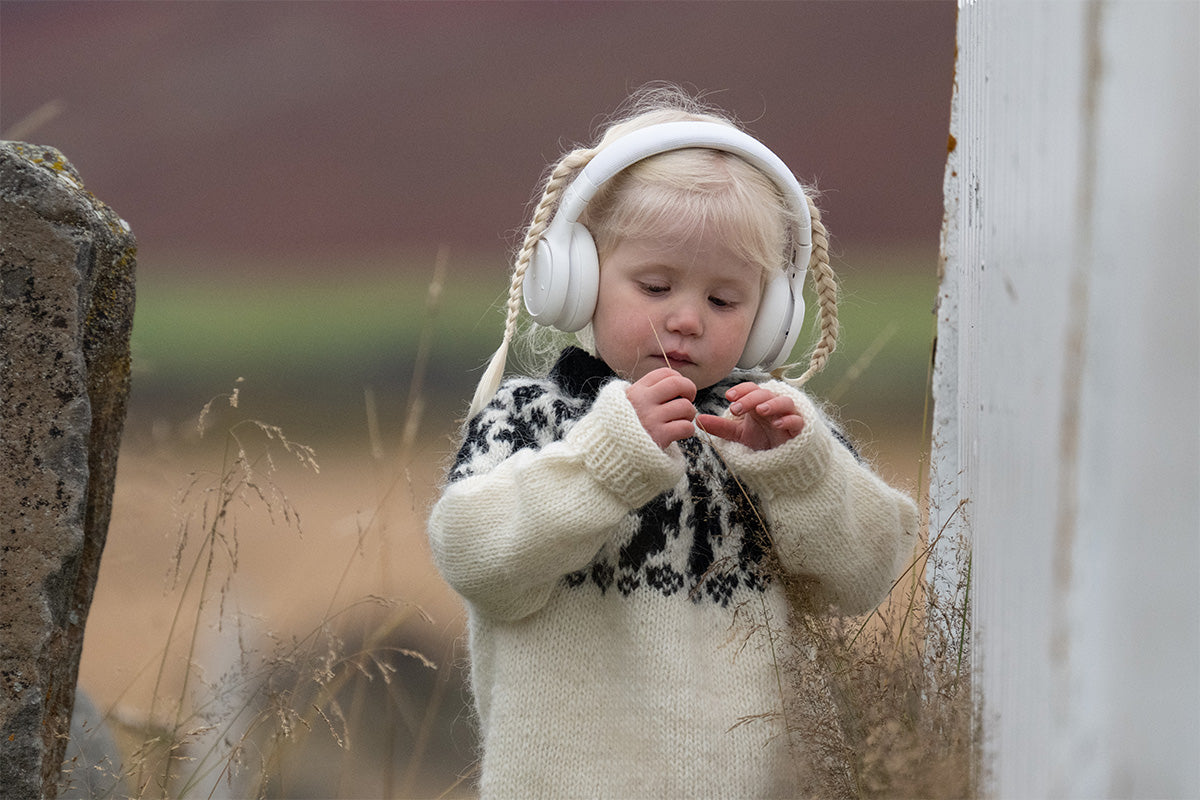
x,y
239,710
234,703
888,697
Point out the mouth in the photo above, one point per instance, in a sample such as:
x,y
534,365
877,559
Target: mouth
x,y
676,359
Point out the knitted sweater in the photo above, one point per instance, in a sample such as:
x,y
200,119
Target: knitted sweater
x,y
625,626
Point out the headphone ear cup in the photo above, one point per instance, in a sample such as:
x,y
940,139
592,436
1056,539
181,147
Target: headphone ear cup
x,y
546,278
584,284
776,325
563,278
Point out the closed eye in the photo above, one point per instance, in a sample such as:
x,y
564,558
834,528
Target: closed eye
x,y
721,302
654,288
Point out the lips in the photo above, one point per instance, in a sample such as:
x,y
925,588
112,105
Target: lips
x,y
676,358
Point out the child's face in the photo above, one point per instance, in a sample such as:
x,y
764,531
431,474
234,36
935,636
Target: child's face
x,y
688,306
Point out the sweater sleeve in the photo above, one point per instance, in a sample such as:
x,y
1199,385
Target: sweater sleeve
x,y
835,525
505,537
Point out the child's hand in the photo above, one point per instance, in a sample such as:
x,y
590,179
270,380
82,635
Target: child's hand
x,y
663,402
761,419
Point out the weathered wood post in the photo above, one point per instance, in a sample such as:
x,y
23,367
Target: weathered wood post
x,y
1067,390
66,300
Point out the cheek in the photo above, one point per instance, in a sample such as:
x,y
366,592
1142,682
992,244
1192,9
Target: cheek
x,y
608,316
610,324
739,325
617,310
735,334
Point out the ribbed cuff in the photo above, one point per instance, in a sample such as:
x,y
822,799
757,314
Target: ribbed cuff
x,y
791,467
619,452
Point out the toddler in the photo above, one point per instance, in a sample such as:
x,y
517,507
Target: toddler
x,y
626,528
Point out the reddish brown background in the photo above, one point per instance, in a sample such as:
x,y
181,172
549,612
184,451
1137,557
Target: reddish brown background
x,y
280,127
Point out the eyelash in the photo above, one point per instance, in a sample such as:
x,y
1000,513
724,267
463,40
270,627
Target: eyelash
x,y
657,289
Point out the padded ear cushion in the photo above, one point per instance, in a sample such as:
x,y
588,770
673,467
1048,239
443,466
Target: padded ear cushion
x,y
776,325
543,292
766,333
545,284
584,285
563,277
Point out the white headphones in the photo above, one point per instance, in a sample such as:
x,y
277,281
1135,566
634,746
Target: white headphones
x,y
563,278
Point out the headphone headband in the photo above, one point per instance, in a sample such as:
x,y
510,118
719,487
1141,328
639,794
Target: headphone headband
x,y
664,137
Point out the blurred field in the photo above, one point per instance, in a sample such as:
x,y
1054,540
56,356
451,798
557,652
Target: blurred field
x,y
309,352
359,538
308,346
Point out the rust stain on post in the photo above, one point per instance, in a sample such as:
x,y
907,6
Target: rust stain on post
x,y
1066,518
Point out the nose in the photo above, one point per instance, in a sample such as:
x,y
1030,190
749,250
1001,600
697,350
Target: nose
x,y
684,319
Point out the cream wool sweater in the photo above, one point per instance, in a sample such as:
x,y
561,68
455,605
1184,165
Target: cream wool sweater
x,y
617,592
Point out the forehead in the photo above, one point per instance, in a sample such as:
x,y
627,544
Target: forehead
x,y
699,254
673,205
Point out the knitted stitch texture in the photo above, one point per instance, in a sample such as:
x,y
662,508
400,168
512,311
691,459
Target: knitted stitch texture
x,y
623,613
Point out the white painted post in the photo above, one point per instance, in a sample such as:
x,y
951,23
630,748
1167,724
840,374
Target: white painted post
x,y
1067,390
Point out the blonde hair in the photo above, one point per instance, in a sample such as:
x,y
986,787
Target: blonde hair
x,y
706,188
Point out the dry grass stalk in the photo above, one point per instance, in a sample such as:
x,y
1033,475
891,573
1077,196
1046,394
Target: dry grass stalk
x,y
905,717
235,728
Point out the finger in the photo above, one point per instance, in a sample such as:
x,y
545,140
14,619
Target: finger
x,y
650,384
762,402
740,390
663,433
655,375
678,409
666,387
660,386
776,406
721,427
790,425
675,431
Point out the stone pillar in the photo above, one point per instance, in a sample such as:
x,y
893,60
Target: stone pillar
x,y
66,312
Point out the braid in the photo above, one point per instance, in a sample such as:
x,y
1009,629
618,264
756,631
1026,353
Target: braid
x,y
564,171
560,178
825,286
